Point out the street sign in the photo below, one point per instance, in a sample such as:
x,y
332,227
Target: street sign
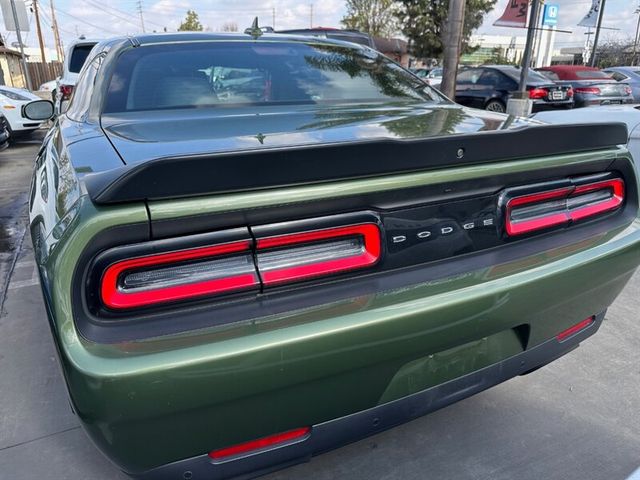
x,y
550,15
9,19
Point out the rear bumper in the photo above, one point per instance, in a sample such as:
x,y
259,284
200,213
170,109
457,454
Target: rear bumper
x,y
341,431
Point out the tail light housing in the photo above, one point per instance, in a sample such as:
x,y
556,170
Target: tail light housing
x,y
538,93
66,91
627,90
562,205
162,272
294,257
570,93
179,275
588,90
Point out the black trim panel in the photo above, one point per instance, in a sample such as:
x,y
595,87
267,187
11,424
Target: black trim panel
x,y
174,177
342,431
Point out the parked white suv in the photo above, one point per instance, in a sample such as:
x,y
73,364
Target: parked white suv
x,y
74,60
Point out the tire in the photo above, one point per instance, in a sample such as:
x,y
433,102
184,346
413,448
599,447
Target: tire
x,y
495,106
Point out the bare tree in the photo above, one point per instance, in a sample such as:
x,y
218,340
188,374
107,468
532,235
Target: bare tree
x,y
229,27
375,17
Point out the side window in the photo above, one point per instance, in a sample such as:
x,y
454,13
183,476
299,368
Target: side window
x,y
619,77
490,78
470,76
84,88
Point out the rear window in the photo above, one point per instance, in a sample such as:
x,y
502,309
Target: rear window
x,y
592,74
79,57
187,75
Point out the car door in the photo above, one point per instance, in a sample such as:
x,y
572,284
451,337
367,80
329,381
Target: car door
x,y
492,84
465,86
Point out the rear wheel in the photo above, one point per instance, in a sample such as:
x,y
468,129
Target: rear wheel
x,y
496,106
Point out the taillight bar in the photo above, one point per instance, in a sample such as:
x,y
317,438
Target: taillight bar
x,y
211,270
173,276
294,257
561,206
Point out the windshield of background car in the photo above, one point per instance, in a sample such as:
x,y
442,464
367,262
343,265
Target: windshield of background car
x,y
216,74
78,57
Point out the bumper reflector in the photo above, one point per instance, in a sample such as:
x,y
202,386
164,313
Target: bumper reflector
x,y
577,328
264,443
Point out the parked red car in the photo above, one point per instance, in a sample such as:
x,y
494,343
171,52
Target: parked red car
x,y
591,86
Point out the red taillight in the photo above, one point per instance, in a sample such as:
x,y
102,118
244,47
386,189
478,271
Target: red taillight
x,y
173,276
254,446
66,91
537,93
570,93
292,257
538,211
627,90
571,331
176,275
587,90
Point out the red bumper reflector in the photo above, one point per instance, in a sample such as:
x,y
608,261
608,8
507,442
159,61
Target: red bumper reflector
x,y
172,276
298,256
571,331
276,440
538,211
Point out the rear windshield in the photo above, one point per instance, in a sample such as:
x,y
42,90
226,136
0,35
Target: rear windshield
x,y
592,74
78,57
203,74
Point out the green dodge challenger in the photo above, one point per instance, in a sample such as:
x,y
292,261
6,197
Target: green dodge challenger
x,y
256,248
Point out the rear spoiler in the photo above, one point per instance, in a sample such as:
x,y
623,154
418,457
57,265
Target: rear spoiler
x,y
179,177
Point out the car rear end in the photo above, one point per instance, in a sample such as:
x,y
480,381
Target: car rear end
x,y
230,313
551,96
592,86
74,60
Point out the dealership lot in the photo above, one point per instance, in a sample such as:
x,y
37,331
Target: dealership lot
x,y
577,418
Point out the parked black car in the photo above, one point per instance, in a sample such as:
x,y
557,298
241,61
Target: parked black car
x,y
490,88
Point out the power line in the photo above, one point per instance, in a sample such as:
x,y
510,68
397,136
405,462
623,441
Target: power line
x,y
87,23
103,10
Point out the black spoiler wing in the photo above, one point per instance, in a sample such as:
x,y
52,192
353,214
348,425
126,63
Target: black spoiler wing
x,y
175,177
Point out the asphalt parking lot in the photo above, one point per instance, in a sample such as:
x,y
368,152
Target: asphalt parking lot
x,y
578,418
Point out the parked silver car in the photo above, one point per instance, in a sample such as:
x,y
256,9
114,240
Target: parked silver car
x,y
629,76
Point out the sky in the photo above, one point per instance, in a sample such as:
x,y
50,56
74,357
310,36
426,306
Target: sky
x,y
105,18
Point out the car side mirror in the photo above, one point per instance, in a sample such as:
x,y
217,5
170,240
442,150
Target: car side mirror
x,y
38,110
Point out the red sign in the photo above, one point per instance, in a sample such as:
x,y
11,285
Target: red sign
x,y
515,15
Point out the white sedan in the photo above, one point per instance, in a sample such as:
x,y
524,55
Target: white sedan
x,y
11,102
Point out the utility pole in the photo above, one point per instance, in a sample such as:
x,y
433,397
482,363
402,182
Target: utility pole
x,y
452,46
526,60
27,77
40,41
311,15
141,16
519,104
635,42
594,51
273,17
56,33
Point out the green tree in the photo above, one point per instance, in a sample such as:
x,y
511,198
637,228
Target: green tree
x,y
423,23
191,23
375,17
